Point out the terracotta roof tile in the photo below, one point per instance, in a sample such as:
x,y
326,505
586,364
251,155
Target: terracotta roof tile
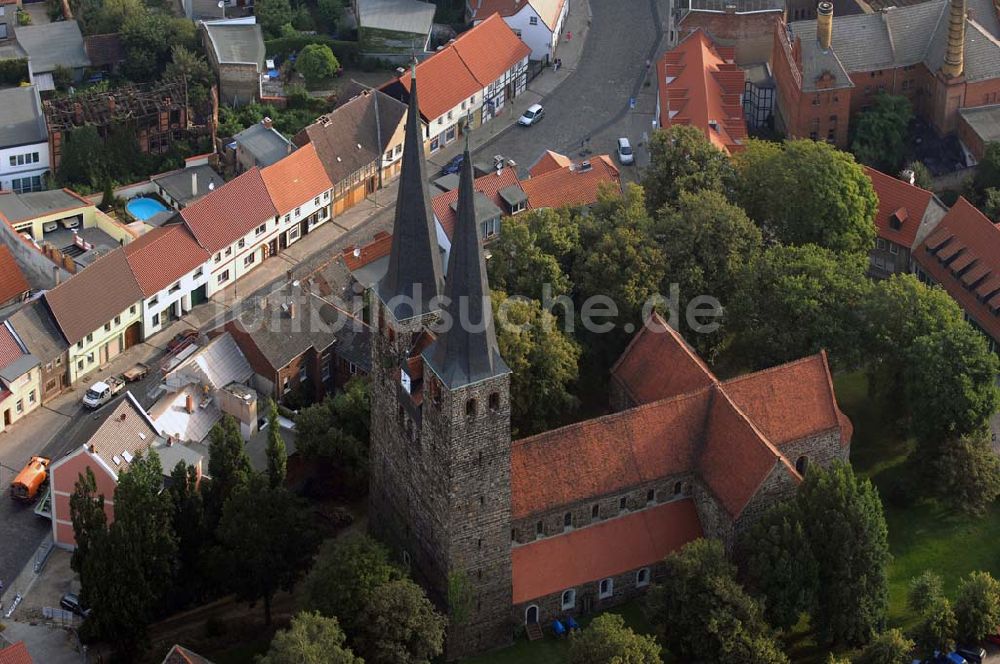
x,y
466,66
223,216
378,248
790,401
658,364
15,654
126,432
736,458
611,547
490,184
894,196
698,84
91,298
12,280
965,233
163,255
549,161
296,179
181,655
571,185
607,454
10,350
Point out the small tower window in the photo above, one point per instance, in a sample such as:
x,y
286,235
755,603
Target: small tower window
x,y
495,402
479,573
677,489
801,464
513,535
470,408
568,520
622,504
595,512
650,496
480,543
642,577
539,529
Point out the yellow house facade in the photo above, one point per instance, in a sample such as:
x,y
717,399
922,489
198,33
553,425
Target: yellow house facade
x,y
19,378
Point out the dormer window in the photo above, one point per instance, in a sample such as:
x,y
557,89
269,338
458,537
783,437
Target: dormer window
x,y
898,218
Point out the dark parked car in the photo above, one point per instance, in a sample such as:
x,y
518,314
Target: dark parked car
x,y
453,166
973,654
71,602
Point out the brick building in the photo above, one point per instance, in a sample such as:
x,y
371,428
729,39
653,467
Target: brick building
x,y
575,519
943,55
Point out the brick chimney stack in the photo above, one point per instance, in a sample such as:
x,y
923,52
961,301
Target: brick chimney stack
x,y
954,59
824,25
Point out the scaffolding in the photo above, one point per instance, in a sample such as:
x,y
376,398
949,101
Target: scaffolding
x,y
157,112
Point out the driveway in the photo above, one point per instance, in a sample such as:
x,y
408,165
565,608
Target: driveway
x,y
594,101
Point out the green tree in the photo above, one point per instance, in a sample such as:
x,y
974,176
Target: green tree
x,y
192,68
921,174
277,457
228,466
316,62
967,473
977,609
329,14
90,523
987,170
519,266
310,639
798,300
346,573
924,592
779,565
272,14
702,613
682,159
336,431
807,192
991,203
608,641
844,522
889,647
188,523
78,164
708,243
880,132
938,628
543,363
399,625
267,540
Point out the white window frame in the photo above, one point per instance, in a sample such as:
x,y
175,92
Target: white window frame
x,y
641,582
568,599
605,594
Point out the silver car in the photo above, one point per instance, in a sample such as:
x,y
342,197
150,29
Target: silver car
x,y
534,113
625,155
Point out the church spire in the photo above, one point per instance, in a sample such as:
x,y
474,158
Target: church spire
x,y
413,278
467,351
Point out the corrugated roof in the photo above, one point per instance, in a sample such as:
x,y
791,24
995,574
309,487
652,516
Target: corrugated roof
x,y
218,364
21,118
163,255
411,16
603,550
91,298
230,212
296,179
13,283
236,43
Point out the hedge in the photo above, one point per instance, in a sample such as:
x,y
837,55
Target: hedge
x,y
13,72
347,52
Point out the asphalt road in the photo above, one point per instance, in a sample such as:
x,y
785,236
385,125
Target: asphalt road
x,y
594,100
21,531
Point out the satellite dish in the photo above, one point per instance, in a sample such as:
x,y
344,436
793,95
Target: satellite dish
x,y
220,4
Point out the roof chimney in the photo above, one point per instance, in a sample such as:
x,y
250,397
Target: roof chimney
x,y
954,64
267,122
194,183
189,404
824,24
291,309
907,175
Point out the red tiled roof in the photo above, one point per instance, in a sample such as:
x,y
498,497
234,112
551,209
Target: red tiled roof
x,y
698,84
548,10
489,184
896,196
181,655
163,255
12,281
965,236
790,401
466,66
571,185
736,458
223,216
658,364
549,161
10,350
378,248
17,653
296,179
612,547
91,298
607,454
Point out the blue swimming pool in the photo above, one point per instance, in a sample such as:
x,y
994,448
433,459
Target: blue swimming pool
x,y
143,208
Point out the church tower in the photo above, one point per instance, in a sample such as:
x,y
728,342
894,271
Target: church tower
x,y
440,445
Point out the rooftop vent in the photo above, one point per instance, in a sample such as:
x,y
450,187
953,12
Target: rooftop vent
x,y
584,166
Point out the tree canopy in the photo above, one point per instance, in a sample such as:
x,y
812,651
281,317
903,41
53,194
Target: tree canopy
x,y
880,132
310,639
977,607
608,641
399,625
316,62
682,159
889,647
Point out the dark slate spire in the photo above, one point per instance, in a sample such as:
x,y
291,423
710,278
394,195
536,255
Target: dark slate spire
x,y
415,258
467,352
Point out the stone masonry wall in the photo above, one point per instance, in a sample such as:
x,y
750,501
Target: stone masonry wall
x,y
779,485
823,449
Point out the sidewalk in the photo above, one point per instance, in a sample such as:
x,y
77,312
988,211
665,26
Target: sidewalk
x,y
571,44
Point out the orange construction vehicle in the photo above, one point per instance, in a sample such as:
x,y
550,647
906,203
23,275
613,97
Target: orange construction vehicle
x,y
31,478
